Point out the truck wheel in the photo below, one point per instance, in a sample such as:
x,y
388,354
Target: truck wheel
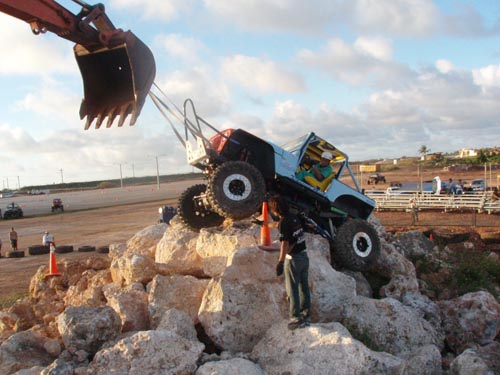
x,y
64,249
38,250
86,249
236,190
15,254
193,211
103,250
356,245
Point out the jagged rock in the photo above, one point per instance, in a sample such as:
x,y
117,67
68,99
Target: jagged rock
x,y
148,353
363,287
58,367
176,252
482,360
235,366
236,314
426,309
131,304
23,350
400,271
132,268
23,310
116,250
184,293
424,360
330,290
87,328
8,322
178,322
413,245
321,349
388,325
145,241
473,318
216,245
36,370
88,290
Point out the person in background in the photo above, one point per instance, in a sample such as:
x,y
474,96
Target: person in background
x,y
293,262
13,239
47,238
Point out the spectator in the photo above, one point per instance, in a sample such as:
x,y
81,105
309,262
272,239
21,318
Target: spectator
x,y
47,238
452,186
13,239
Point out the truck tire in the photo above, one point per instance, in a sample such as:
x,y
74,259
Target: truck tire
x,y
38,250
103,250
86,249
236,190
15,254
356,245
64,249
193,213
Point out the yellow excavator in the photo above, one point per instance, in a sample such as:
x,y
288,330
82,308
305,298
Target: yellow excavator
x,y
117,68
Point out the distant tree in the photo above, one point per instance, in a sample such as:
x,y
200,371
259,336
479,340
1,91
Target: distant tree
x,y
481,157
423,150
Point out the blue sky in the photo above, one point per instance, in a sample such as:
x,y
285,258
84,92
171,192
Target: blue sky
x,y
379,79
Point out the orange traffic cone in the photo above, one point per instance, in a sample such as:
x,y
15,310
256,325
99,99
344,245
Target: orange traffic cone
x,y
265,233
431,237
52,262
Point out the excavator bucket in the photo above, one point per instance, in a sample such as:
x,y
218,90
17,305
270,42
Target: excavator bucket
x,y
116,81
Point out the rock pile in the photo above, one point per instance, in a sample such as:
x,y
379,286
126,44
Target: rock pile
x,y
172,301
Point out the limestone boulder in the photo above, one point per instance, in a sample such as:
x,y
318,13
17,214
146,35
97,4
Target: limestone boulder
x,y
178,322
469,320
87,291
133,268
145,241
424,360
148,353
87,328
131,304
176,252
322,348
413,245
389,326
481,360
116,250
234,366
180,292
236,314
24,350
216,245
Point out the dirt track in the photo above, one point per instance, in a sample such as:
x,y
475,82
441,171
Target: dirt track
x,y
97,227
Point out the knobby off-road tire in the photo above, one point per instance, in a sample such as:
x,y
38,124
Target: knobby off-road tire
x,y
193,213
15,254
38,250
103,250
64,249
356,245
236,190
86,249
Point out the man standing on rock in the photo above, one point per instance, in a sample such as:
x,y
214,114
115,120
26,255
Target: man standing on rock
x,y
293,262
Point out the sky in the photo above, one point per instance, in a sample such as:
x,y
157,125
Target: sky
x,y
377,78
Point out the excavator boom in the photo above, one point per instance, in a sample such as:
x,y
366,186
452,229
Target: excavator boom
x,y
117,68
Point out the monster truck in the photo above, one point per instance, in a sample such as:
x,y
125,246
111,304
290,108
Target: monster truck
x,y
13,211
242,170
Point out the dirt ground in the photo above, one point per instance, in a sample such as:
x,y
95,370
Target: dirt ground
x,y
97,227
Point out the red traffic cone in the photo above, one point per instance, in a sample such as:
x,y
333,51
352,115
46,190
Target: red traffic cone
x,y
431,237
265,233
52,262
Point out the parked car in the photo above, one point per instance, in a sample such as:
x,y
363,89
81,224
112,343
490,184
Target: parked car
x,y
478,184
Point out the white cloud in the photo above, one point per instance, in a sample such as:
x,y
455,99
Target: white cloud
x,y
397,17
25,53
165,10
261,75
444,66
366,62
378,48
181,47
488,76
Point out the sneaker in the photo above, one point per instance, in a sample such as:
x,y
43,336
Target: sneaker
x,y
295,323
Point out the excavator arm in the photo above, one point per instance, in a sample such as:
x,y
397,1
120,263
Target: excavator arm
x,y
117,68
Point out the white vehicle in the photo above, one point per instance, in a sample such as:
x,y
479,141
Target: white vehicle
x,y
478,184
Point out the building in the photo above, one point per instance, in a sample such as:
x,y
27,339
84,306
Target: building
x,y
467,153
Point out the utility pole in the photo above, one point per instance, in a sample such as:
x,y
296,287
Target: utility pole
x,y
157,174
133,170
18,183
121,176
62,179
